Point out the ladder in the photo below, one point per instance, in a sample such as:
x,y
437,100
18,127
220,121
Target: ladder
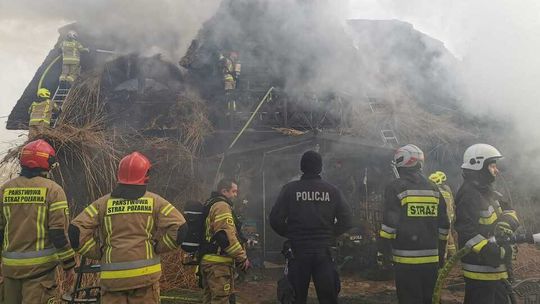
x,y
58,99
389,137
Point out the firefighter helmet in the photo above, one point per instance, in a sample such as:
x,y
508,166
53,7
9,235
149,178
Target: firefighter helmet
x,y
442,175
43,93
477,155
436,178
233,55
134,169
72,35
408,156
38,154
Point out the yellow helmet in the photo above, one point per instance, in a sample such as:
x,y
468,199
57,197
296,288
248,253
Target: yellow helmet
x,y
442,175
43,93
436,178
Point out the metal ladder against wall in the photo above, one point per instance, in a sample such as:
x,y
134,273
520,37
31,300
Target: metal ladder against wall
x,y
387,134
58,98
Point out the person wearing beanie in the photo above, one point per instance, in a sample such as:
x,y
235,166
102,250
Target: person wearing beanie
x,y
311,213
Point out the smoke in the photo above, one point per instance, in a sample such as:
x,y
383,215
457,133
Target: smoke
x,y
146,27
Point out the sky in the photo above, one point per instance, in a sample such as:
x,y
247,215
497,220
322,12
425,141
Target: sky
x,y
497,41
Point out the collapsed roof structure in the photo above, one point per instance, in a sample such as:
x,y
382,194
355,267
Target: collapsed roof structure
x,y
354,92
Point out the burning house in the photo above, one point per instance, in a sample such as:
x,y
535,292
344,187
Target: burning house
x,y
301,85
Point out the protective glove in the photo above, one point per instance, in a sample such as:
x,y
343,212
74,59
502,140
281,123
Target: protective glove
x,y
503,230
383,260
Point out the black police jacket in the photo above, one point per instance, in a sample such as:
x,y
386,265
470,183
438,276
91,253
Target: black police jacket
x,y
311,213
478,209
415,221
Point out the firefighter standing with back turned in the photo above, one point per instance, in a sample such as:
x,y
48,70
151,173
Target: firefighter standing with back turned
x,y
33,223
71,59
128,222
481,215
41,112
222,249
414,229
311,213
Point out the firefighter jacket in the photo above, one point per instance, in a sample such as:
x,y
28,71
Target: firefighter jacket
x,y
450,210
415,222
71,51
311,213
41,112
222,229
127,235
33,225
478,209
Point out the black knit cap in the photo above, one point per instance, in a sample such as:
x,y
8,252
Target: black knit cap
x,y
311,163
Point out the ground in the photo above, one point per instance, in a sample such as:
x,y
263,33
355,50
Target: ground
x,y
260,285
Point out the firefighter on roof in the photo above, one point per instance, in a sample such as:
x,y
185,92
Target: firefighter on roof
x,y
33,221
41,112
128,222
71,58
439,178
480,215
414,229
230,67
222,249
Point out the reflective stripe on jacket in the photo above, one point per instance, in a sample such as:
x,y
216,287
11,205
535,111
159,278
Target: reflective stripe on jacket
x,y
71,51
414,220
220,217
131,234
31,208
41,112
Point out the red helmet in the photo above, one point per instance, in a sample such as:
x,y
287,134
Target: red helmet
x,y
38,154
134,169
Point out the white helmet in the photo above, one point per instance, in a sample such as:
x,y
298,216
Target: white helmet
x,y
476,155
408,156
72,35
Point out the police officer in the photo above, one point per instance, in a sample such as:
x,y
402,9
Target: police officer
x,y
481,215
311,213
414,229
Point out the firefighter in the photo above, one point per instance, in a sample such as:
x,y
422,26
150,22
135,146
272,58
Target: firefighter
x,y
33,228
71,58
311,213
41,112
414,228
480,215
439,178
223,249
230,67
127,230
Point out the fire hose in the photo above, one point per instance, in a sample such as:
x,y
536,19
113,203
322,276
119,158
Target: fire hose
x,y
449,265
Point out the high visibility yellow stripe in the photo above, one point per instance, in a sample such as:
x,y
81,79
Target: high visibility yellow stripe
x,y
108,230
488,220
494,276
40,229
87,246
223,217
66,254
58,206
91,210
511,213
149,226
386,235
234,248
416,260
207,234
169,242
130,273
7,216
419,199
216,258
476,248
167,210
29,262
443,237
